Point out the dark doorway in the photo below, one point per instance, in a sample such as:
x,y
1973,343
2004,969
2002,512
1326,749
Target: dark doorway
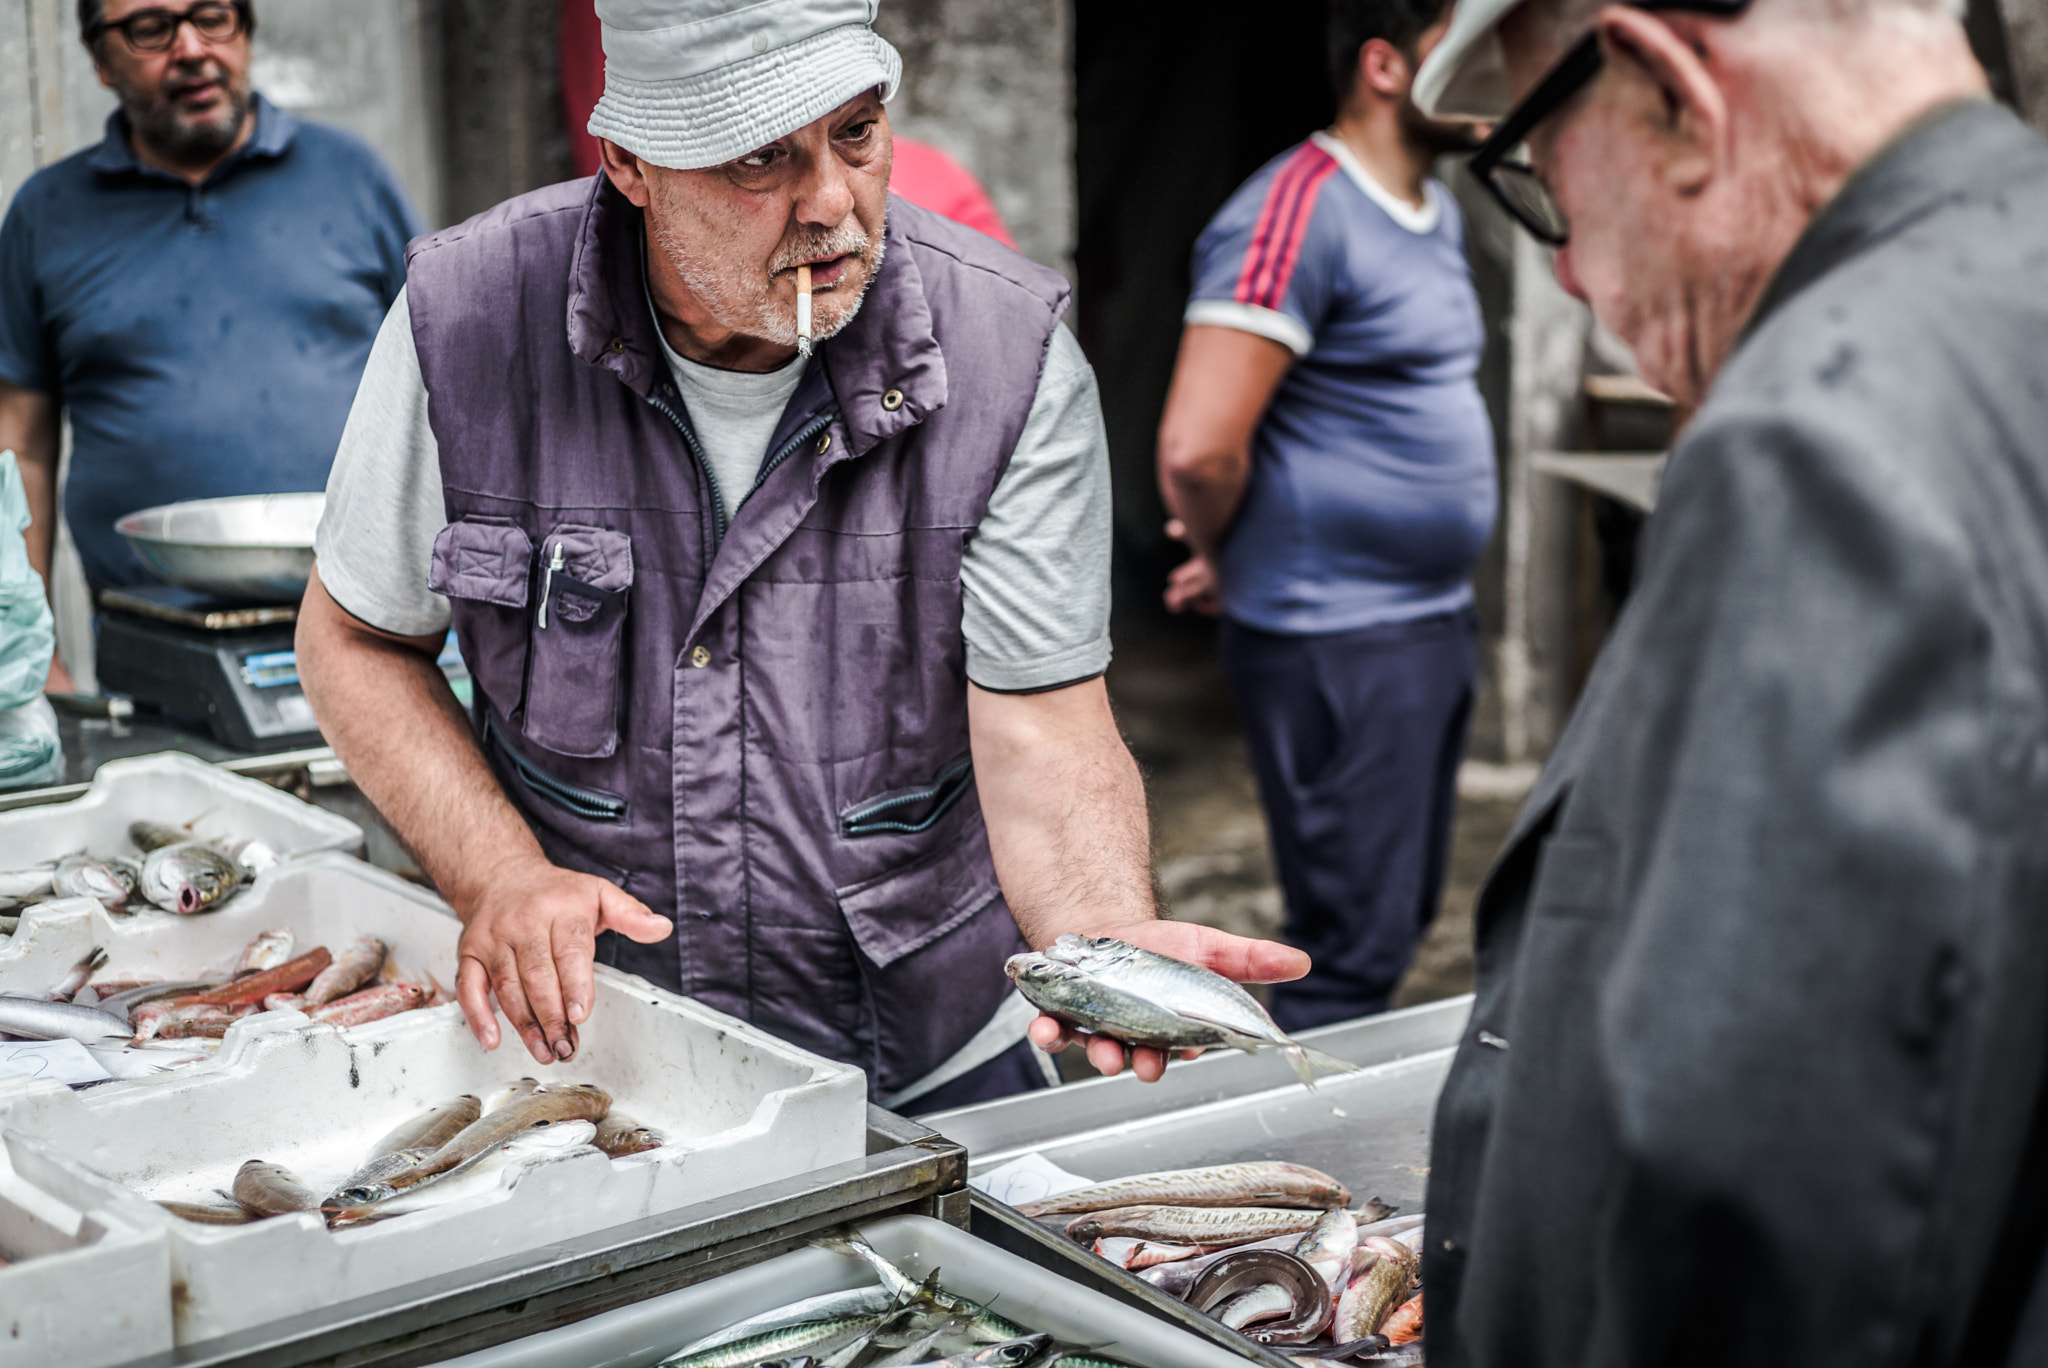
x,y
1175,106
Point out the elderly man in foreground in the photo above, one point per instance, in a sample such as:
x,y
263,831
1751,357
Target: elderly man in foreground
x,y
1756,1070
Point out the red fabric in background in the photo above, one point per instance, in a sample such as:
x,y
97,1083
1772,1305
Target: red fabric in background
x,y
923,174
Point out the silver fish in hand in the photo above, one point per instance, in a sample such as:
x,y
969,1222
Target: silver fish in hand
x,y
1113,988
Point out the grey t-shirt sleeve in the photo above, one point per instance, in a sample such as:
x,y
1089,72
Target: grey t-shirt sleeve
x,y
1036,572
384,505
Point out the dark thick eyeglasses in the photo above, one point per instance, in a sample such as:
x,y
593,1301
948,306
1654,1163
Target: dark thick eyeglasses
x,y
155,30
1502,164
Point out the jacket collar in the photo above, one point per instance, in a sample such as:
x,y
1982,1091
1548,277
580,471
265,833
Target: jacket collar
x,y
889,345
275,132
1951,153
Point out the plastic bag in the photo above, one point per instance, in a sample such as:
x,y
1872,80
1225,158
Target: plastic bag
x,y
30,753
28,636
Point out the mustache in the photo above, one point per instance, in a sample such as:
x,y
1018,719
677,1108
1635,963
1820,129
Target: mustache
x,y
206,69
848,239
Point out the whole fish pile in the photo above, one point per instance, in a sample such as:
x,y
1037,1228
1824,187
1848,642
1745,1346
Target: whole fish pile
x,y
172,869
459,1149
341,988
895,1322
1272,1250
1113,988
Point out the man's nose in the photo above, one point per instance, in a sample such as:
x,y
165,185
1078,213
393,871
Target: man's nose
x,y
825,197
188,46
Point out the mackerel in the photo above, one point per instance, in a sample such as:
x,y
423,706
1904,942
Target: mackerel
x,y
1213,1226
1263,1183
1113,988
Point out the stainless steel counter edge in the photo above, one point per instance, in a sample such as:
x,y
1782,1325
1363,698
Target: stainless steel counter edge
x,y
995,1132
909,1166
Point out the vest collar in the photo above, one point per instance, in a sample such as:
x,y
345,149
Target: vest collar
x,y
888,349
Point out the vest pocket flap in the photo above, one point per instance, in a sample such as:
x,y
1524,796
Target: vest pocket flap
x,y
488,560
909,908
597,556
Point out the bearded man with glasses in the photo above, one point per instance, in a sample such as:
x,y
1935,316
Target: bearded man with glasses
x,y
199,290
1758,1067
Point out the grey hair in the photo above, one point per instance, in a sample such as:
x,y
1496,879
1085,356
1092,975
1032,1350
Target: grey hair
x,y
91,12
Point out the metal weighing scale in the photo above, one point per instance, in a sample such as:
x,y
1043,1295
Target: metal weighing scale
x,y
230,668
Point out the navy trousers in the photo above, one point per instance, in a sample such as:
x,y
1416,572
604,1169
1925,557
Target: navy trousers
x,y
1355,738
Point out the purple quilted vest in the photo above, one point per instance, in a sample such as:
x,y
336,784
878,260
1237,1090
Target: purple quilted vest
x,y
760,729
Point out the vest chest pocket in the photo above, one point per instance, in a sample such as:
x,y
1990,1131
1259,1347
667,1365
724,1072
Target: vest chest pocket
x,y
575,675
483,565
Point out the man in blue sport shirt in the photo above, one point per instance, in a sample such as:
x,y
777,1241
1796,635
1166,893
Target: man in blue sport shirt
x,y
1326,454
199,291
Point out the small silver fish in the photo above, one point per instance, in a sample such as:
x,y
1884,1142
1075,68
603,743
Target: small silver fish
x,y
108,880
489,1171
252,853
620,1135
1111,987
38,1019
150,836
189,877
431,1129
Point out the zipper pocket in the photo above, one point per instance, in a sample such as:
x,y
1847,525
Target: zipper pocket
x,y
897,812
592,805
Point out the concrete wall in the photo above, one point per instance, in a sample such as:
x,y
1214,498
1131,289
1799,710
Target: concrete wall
x,y
990,82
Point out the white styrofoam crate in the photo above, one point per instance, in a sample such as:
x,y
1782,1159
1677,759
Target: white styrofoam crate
x,y
324,899
739,1107
646,1332
174,789
81,1291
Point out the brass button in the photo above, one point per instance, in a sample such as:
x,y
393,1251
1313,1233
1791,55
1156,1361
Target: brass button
x,y
618,345
700,657
824,443
893,400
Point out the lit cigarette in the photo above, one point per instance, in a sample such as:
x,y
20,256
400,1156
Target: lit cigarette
x,y
803,310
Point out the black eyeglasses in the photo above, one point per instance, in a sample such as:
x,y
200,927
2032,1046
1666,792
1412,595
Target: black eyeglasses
x,y
1501,164
155,30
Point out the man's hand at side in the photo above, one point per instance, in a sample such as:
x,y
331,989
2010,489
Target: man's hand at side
x,y
529,937
1238,958
529,927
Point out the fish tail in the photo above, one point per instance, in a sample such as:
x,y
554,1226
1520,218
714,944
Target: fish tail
x,y
1321,1062
1297,1058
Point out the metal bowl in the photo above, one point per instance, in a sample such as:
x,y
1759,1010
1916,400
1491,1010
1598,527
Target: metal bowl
x,y
254,548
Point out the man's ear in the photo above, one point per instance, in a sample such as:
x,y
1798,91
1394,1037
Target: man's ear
x,y
1383,70
627,175
1690,114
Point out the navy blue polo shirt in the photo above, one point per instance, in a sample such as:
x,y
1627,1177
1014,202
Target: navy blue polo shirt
x,y
205,340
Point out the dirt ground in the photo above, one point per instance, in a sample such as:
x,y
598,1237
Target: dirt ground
x,y
1207,831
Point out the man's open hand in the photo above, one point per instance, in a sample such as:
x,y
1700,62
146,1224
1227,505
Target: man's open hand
x,y
530,940
1239,958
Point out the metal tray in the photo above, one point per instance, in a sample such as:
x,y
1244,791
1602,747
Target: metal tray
x,y
1369,1129
909,1169
254,548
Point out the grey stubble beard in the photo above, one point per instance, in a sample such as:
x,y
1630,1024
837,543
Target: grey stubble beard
x,y
763,315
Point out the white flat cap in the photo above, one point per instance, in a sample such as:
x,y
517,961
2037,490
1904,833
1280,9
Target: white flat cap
x,y
695,83
1464,76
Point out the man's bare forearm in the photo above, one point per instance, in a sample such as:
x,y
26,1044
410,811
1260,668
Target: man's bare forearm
x,y
387,710
1222,382
1065,810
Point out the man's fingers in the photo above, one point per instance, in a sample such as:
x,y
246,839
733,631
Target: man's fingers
x,y
620,911
574,952
1047,1034
543,989
512,1002
473,991
1106,1055
1239,958
1148,1064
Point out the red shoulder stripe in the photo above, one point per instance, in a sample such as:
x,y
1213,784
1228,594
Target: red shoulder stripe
x,y
1282,224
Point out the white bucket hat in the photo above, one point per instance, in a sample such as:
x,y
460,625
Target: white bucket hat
x,y
695,83
1464,76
